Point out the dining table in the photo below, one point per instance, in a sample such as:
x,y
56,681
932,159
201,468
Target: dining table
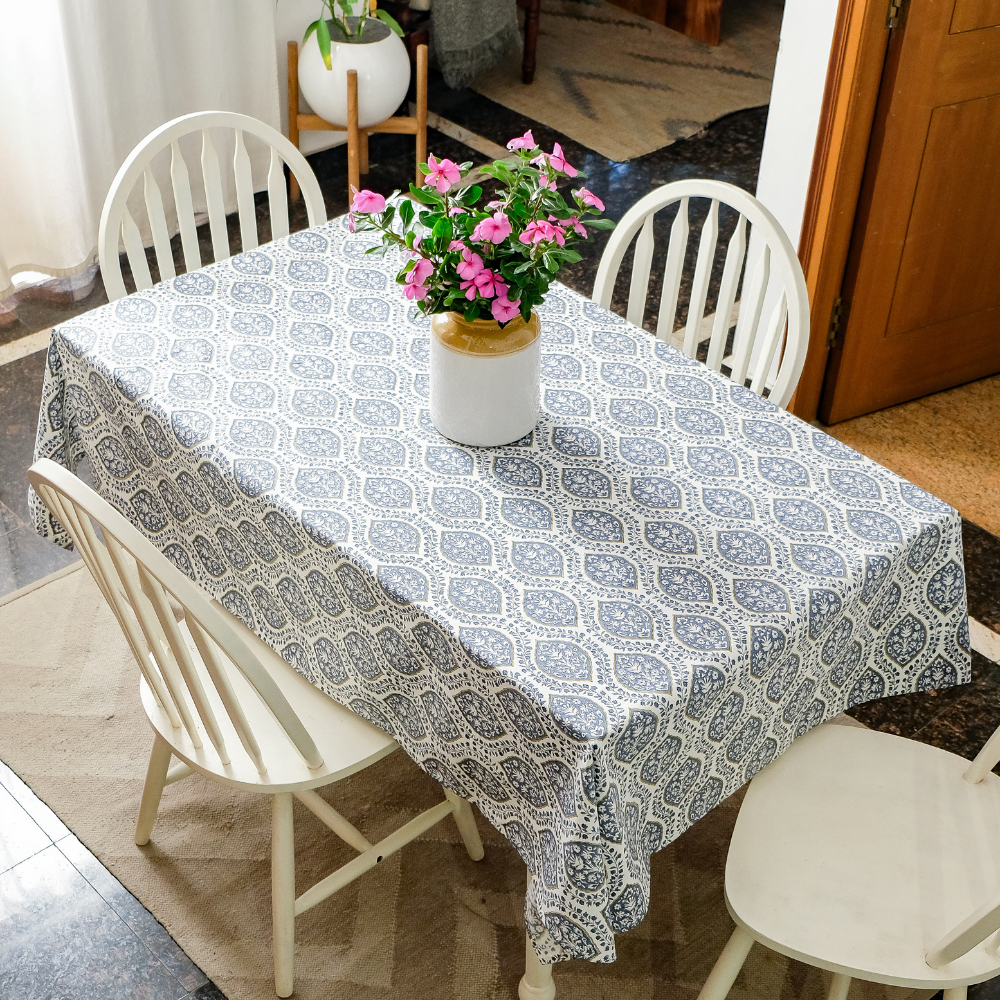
x,y
596,633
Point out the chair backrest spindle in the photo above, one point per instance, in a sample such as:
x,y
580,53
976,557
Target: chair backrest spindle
x,y
135,252
641,265
181,183
182,664
244,194
118,227
775,352
158,225
702,277
728,288
213,196
672,272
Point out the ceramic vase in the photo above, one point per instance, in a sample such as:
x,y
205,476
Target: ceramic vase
x,y
383,68
484,378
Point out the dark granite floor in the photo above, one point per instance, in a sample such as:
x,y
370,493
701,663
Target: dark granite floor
x,y
68,929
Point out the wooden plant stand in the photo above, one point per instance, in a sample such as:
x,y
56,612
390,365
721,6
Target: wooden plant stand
x,y
357,138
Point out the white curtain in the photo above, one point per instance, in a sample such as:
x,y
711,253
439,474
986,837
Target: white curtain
x,y
82,81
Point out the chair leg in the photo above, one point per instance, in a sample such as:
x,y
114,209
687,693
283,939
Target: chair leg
x,y
727,966
839,987
283,893
156,778
956,993
466,824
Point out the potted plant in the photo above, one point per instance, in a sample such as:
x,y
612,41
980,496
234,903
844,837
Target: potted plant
x,y
479,272
371,44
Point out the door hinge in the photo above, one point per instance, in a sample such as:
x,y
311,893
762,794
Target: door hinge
x,y
838,319
894,14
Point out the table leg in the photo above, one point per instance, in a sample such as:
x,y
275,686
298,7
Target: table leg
x,y
536,983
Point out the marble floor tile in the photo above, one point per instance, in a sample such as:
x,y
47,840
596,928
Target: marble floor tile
x,y
141,922
60,940
26,557
958,719
21,837
20,392
50,823
982,573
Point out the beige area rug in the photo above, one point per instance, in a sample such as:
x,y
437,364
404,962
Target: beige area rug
x,y
426,923
623,85
945,443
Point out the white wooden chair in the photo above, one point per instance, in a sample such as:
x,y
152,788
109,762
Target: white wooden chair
x,y
118,224
777,254
228,707
872,857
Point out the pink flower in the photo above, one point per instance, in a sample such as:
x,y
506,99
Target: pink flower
x,y
416,292
368,203
526,141
457,210
494,204
442,175
493,230
422,270
589,198
572,222
455,245
539,232
558,162
503,309
489,284
470,265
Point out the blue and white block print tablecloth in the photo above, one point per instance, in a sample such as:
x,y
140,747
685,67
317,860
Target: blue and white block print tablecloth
x,y
596,633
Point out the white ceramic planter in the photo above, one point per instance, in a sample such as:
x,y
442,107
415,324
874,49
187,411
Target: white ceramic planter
x,y
383,69
484,386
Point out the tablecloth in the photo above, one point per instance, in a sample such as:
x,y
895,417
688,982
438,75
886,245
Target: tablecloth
x,y
596,633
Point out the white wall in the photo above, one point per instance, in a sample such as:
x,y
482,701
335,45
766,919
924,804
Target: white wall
x,y
790,134
793,118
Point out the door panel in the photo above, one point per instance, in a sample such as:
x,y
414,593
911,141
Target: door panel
x,y
956,208
923,276
972,14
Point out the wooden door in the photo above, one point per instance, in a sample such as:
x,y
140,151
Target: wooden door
x,y
922,287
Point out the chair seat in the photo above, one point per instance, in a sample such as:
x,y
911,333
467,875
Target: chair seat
x,y
856,851
347,742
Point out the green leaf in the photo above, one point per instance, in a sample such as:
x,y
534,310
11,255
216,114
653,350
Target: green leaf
x,y
406,211
469,195
472,312
503,172
312,27
388,19
323,37
599,223
443,228
427,196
